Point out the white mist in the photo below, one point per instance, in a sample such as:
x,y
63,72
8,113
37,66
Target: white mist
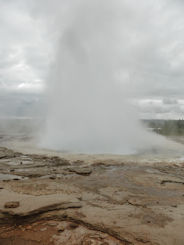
x,y
89,88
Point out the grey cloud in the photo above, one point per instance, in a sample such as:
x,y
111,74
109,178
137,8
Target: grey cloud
x,y
17,104
20,35
167,108
170,101
152,51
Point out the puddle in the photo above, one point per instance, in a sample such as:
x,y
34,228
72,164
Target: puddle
x,y
152,171
26,162
16,162
10,177
58,176
26,158
22,170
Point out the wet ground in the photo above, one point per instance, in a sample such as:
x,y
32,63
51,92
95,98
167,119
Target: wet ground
x,y
98,200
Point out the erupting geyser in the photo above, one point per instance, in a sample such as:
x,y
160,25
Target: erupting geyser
x,y
89,88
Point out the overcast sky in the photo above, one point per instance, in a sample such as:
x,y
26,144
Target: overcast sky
x,y
153,47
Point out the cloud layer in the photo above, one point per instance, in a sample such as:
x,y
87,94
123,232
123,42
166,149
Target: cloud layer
x,y
152,50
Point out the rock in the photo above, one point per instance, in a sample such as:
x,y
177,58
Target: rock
x,y
60,230
81,171
52,223
57,161
2,155
33,175
6,153
93,241
174,206
12,204
73,226
52,177
61,227
29,227
43,229
78,162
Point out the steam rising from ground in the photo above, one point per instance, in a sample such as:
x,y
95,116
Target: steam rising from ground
x,y
90,86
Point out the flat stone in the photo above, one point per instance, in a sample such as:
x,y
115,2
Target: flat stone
x,y
42,204
52,223
57,161
81,171
43,229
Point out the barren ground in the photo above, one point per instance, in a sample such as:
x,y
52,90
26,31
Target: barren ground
x,y
90,201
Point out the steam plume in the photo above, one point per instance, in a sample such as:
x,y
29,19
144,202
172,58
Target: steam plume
x,y
90,86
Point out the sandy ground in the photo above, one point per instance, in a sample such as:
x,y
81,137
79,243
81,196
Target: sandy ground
x,y
59,198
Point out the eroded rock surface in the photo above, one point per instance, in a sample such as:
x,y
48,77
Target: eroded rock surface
x,y
87,203
12,204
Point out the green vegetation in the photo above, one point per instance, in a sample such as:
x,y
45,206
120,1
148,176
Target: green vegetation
x,y
166,127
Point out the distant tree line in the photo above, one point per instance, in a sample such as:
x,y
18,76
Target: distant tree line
x,y
166,127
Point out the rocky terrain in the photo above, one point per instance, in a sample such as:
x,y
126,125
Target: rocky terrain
x,y
51,200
